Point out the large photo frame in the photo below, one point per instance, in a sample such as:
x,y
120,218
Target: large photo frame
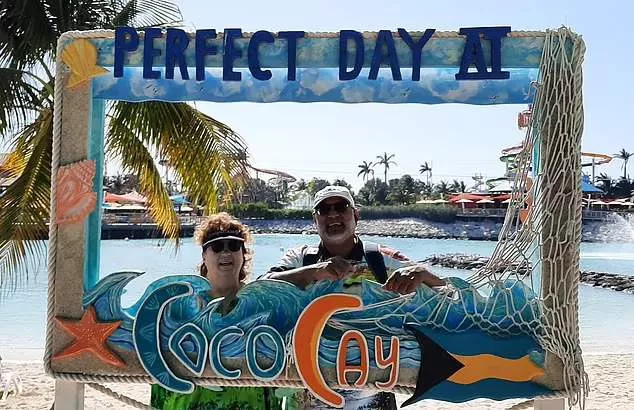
x,y
508,342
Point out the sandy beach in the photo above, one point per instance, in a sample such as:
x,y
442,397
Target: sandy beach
x,y
611,381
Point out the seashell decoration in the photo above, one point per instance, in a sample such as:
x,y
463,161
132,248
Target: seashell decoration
x,y
75,198
81,58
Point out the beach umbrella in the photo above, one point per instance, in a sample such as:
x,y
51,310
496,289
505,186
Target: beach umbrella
x,y
179,199
129,198
464,201
485,201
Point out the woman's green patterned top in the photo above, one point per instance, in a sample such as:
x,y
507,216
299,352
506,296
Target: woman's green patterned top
x,y
216,398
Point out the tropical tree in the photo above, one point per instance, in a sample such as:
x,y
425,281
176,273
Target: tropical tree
x,y
604,182
374,192
625,156
425,168
386,161
257,190
426,190
366,169
299,185
317,184
458,186
202,152
404,191
442,188
343,183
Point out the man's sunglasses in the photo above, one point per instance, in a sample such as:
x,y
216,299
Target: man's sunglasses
x,y
220,245
339,207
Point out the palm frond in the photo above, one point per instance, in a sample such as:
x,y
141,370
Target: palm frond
x,y
205,153
146,13
26,32
20,98
136,158
24,207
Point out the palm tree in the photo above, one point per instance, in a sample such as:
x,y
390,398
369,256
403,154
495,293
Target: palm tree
x,y
385,160
604,182
425,168
366,169
443,189
625,156
458,186
204,154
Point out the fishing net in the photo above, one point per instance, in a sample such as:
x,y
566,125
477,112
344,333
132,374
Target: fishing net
x,y
530,283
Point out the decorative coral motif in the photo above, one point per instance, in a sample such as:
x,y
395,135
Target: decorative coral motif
x,y
90,335
74,197
81,58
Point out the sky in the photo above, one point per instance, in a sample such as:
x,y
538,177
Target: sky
x,y
329,140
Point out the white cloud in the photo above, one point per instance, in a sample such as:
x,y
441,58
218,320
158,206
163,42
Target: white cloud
x,y
318,81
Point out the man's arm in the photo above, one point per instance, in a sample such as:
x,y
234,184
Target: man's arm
x,y
301,277
406,280
290,270
407,275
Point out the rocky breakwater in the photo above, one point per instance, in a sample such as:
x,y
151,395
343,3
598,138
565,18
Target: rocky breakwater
x,y
402,228
614,281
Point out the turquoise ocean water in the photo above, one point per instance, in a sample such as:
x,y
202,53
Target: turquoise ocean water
x,y
606,319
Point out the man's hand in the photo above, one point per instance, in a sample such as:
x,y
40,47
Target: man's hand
x,y
406,280
335,268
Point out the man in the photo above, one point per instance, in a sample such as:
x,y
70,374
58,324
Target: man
x,y
336,220
339,251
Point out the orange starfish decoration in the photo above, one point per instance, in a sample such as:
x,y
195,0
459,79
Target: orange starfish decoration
x,y
90,335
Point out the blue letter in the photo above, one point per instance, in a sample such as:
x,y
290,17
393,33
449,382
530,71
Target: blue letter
x,y
253,57
175,46
279,361
145,334
231,53
202,49
149,52
417,49
125,39
344,36
473,54
214,353
291,37
176,347
385,37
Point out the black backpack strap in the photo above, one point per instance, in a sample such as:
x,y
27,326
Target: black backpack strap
x,y
311,256
375,261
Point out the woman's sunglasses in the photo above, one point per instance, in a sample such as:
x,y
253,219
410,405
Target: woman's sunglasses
x,y
339,207
220,245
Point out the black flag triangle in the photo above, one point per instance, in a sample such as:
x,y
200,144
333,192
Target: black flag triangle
x,y
436,365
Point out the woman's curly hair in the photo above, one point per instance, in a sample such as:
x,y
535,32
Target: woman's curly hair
x,y
223,222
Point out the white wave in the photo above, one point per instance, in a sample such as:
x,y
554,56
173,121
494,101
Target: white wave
x,y
608,256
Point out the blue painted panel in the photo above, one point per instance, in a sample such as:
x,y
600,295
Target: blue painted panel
x,y
436,86
461,325
517,52
93,223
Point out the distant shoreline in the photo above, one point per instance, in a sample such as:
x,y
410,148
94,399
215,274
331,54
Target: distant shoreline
x,y
486,230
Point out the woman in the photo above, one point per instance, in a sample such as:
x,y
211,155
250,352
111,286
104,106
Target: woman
x,y
226,263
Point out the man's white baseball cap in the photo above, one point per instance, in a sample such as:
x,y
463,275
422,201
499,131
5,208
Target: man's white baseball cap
x,y
332,191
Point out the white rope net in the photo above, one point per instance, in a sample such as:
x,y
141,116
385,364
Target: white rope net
x,y
543,250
